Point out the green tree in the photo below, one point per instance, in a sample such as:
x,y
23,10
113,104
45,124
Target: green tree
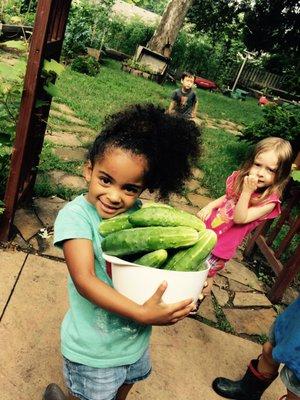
x,y
156,6
218,19
273,26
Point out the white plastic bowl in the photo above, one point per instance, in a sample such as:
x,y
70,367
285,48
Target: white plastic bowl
x,y
139,283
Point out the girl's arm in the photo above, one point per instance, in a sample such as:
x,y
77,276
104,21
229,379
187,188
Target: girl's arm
x,y
243,213
205,212
79,256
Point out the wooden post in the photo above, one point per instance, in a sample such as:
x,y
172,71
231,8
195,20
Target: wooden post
x,y
46,42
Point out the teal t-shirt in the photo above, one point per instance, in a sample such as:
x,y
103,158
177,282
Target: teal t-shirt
x,y
91,335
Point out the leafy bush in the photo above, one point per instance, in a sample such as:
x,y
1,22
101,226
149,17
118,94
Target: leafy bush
x,y
86,65
126,36
87,26
281,121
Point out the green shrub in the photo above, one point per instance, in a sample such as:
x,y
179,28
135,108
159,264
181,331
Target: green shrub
x,y
87,26
281,121
86,65
125,36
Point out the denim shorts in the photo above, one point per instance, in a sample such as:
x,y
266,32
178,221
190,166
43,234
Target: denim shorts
x,y
90,383
287,376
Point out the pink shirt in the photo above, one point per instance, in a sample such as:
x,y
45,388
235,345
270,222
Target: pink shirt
x,y
230,235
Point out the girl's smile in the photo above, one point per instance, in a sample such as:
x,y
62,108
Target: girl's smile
x,y
115,181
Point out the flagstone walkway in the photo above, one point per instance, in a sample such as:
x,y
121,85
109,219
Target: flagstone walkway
x,y
238,303
186,356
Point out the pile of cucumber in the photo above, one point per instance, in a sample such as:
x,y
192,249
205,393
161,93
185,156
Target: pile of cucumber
x,y
166,237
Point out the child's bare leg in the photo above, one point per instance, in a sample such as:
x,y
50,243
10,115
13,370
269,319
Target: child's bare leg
x,y
266,363
123,392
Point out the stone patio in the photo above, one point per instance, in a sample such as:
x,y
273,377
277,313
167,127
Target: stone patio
x,y
186,356
237,291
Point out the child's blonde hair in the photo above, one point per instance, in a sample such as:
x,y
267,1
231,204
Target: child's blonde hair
x,y
284,152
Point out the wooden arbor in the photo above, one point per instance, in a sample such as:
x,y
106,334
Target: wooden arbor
x,y
46,43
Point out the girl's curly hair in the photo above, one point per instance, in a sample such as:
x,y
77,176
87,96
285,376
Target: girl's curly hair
x,y
170,144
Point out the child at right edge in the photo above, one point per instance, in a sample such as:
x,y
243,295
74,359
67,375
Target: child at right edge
x,y
252,196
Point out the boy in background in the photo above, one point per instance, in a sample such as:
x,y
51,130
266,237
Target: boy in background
x,y
184,100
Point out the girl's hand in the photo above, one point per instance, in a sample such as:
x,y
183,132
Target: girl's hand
x,y
250,183
204,213
156,312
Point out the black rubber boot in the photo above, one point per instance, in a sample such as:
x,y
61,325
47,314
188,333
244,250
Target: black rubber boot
x,y
250,387
54,392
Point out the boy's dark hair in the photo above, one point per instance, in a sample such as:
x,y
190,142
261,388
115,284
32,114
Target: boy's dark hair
x,y
171,145
187,74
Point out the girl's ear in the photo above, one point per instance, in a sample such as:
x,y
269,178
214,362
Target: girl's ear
x,y
87,171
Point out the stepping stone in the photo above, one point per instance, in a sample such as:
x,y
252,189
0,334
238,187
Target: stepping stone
x,y
47,248
21,244
66,117
71,154
250,322
63,108
186,207
221,281
238,287
201,190
198,201
10,266
221,295
147,195
198,174
27,223
192,185
206,310
238,272
290,295
47,209
251,300
64,139
71,181
74,129
174,198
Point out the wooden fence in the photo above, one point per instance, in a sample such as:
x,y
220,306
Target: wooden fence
x,y
252,77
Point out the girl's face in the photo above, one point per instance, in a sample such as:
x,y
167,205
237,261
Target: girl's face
x,y
115,181
264,168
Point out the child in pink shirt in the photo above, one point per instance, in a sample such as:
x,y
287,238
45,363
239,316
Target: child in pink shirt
x,y
252,196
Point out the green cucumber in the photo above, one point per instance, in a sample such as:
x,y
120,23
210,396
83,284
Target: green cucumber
x,y
135,240
114,224
154,259
162,216
192,259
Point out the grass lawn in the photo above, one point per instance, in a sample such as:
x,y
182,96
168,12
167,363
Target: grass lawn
x,y
92,98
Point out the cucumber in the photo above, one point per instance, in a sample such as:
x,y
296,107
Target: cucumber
x,y
114,224
154,259
162,216
155,204
192,259
130,241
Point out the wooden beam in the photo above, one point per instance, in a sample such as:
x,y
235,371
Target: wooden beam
x,y
31,127
269,255
285,277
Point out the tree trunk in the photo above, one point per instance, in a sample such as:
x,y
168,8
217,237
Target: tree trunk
x,y
171,22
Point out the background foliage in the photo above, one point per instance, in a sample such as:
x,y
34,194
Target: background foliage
x,y
282,121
